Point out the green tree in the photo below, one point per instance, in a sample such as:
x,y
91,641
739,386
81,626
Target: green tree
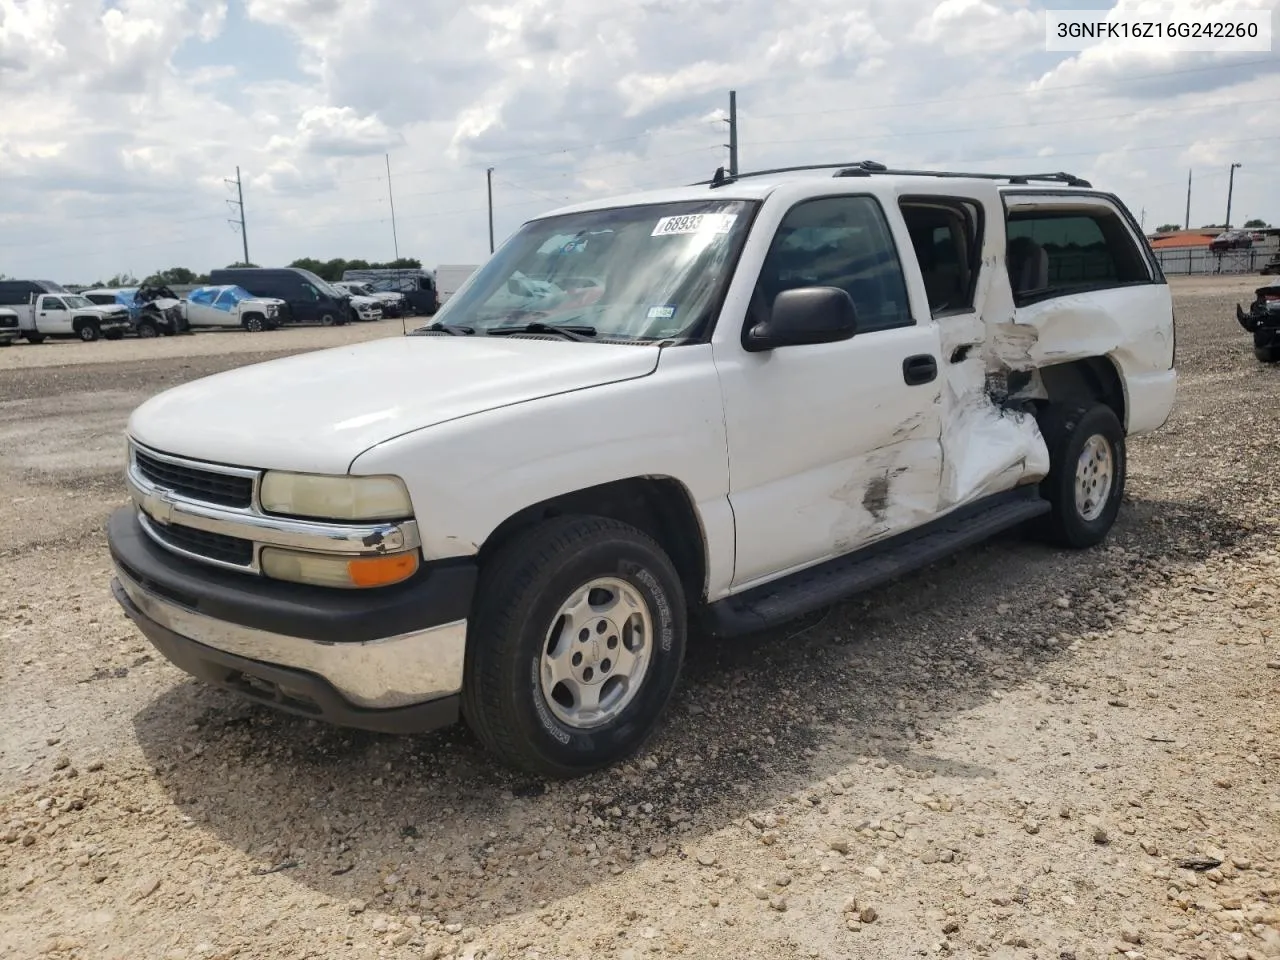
x,y
309,263
1168,227
125,279
1255,224
178,275
237,264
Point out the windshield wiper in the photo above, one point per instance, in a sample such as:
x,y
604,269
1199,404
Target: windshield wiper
x,y
453,329
569,332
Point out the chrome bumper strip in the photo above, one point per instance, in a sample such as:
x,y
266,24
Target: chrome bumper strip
x,y
381,674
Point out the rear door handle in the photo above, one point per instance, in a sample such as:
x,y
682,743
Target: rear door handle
x,y
922,368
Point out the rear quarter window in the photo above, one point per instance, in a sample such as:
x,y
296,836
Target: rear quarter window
x,y
1058,251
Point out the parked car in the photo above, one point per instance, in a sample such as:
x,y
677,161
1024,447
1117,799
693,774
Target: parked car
x,y
1231,240
791,388
393,304
1263,321
9,331
364,308
1271,266
45,309
229,306
417,286
153,310
308,298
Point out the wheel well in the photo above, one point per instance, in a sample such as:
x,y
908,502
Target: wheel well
x,y
658,506
1080,381
78,322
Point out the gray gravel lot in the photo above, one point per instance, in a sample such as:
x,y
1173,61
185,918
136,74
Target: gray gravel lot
x,y
1008,755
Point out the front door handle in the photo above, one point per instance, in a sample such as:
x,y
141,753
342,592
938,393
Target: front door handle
x,y
922,368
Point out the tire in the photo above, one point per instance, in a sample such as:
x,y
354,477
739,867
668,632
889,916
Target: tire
x,y
253,323
519,599
1067,429
89,332
114,335
146,329
36,338
1267,354
327,320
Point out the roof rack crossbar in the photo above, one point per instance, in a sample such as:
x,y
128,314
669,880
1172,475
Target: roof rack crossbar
x,y
865,168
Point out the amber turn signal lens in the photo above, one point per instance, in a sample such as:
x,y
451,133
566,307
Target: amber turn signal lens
x,y
382,571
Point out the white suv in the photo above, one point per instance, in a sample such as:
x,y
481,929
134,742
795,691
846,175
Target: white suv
x,y
754,397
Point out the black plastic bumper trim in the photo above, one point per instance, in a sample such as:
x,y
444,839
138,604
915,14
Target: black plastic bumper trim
x,y
438,594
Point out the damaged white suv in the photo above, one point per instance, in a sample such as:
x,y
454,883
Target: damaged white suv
x,y
731,404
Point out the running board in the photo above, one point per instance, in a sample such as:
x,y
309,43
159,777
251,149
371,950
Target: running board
x,y
834,580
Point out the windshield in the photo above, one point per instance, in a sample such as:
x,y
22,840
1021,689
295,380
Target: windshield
x,y
75,302
321,285
653,272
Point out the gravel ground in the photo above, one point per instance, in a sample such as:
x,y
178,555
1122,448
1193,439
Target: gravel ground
x,y
1018,753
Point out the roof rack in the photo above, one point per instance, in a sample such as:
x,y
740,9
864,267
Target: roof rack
x,y
865,168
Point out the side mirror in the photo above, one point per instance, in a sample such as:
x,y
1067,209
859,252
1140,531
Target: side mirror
x,y
806,315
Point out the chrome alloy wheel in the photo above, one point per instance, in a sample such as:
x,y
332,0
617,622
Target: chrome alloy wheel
x,y
597,653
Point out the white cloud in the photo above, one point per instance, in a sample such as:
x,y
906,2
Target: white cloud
x,y
122,119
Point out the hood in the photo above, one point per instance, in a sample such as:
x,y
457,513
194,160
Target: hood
x,y
105,310
359,300
316,412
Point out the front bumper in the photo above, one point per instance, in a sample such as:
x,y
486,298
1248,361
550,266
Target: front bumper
x,y
389,660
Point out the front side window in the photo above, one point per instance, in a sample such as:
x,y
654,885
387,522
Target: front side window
x,y
1052,252
204,296
53,303
650,273
837,242
229,297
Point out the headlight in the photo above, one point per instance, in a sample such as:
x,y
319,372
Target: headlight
x,y
335,498
326,570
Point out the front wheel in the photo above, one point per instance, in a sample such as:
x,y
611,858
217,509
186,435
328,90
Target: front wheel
x,y
253,323
147,329
575,648
327,320
88,332
1267,354
1087,470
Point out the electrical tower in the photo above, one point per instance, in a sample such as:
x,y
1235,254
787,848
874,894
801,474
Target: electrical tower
x,y
239,221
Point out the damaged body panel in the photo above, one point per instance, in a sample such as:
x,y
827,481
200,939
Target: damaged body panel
x,y
1263,321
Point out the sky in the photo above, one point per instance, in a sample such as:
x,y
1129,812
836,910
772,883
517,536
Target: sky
x,y
121,121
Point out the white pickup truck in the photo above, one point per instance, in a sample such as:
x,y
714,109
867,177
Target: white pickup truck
x,y
759,395
9,329
68,315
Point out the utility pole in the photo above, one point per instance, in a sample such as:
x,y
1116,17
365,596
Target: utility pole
x,y
1142,220
391,200
733,133
1188,199
244,235
489,179
1231,182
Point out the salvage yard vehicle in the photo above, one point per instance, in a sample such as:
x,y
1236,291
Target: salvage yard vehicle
x,y
392,304
417,286
307,298
233,307
1263,321
60,313
153,310
792,386
9,332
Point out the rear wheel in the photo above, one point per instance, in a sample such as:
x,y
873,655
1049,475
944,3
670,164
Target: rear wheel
x,y
575,648
34,337
1087,470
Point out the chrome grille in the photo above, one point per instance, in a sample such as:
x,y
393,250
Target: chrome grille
x,y
206,485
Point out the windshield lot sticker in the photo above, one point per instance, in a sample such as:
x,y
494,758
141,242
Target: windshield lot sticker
x,y
665,312
694,223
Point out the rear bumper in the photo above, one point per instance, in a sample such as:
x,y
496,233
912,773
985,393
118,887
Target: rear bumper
x,y
389,660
